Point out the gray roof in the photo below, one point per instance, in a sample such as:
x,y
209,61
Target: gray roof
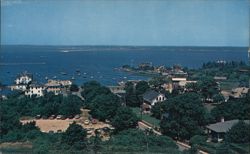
x,y
149,96
223,127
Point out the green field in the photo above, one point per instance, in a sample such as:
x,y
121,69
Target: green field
x,y
146,117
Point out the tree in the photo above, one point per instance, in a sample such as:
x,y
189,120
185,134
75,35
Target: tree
x,y
218,98
134,139
130,96
186,116
232,109
156,110
208,87
239,133
74,88
75,135
141,87
124,119
104,106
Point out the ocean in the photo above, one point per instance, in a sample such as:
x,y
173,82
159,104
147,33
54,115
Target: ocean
x,y
85,63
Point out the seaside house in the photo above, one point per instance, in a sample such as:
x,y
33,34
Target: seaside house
x,y
22,81
35,90
150,98
216,132
239,92
57,86
168,87
24,78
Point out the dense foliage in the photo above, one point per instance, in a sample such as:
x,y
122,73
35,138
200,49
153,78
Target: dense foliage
x,y
239,133
124,119
136,140
233,109
74,88
186,116
134,93
75,136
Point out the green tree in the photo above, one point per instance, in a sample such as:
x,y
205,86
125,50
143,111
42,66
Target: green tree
x,y
74,88
124,119
75,135
186,116
130,96
104,106
239,133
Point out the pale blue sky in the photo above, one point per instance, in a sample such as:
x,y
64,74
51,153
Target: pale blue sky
x,y
125,22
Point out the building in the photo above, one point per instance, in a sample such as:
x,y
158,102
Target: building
x,y
24,78
220,78
239,92
184,83
21,87
168,87
217,131
150,98
57,86
35,90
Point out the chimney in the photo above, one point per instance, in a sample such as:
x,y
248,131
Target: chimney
x,y
222,119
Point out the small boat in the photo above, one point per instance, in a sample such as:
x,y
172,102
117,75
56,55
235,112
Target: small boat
x,y
46,78
73,78
125,77
77,70
79,74
63,73
54,77
91,77
84,73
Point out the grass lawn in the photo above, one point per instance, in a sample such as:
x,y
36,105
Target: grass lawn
x,y
146,117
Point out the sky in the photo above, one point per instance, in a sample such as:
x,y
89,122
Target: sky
x,y
125,22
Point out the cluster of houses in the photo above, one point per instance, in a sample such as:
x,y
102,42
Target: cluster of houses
x,y
24,82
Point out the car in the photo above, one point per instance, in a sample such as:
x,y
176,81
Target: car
x,y
59,117
77,116
89,132
94,121
64,117
38,116
70,116
86,122
59,131
44,117
52,117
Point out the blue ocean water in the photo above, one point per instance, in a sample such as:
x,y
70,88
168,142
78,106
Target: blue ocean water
x,y
99,62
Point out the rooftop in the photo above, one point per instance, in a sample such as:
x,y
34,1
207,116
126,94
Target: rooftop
x,y
150,95
222,127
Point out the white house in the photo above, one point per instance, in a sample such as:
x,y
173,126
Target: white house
x,y
35,90
21,87
23,79
150,98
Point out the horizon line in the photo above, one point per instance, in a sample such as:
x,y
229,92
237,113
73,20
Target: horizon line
x,y
126,45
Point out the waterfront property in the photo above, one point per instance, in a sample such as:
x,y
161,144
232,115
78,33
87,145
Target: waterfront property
x,y
24,78
150,98
35,90
239,92
216,132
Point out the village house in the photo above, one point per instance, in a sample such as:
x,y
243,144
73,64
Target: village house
x,y
239,92
216,132
21,82
35,90
167,87
150,98
24,78
57,86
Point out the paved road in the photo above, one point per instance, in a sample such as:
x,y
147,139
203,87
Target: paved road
x,y
79,93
